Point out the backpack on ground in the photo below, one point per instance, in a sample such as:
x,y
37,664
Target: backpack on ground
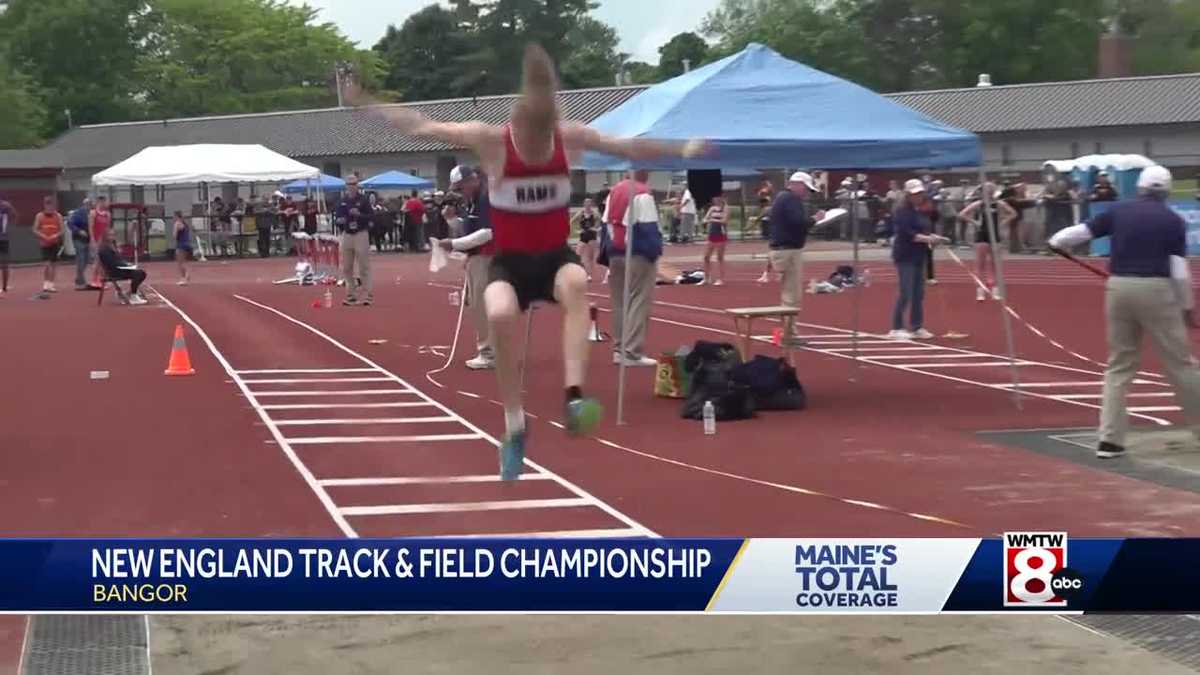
x,y
772,383
710,366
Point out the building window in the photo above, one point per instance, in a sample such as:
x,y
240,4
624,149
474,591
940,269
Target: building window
x,y
1099,148
253,190
1148,147
1074,149
160,193
1006,155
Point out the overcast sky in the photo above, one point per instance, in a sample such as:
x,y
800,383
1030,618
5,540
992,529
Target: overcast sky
x,y
643,25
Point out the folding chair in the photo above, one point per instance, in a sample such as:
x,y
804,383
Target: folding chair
x,y
105,280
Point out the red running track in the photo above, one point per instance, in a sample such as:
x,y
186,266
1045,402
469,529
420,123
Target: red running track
x,y
893,453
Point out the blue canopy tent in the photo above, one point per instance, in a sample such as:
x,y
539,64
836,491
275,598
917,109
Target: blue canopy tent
x,y
324,183
396,180
759,109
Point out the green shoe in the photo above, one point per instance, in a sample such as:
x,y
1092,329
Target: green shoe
x,y
512,456
583,414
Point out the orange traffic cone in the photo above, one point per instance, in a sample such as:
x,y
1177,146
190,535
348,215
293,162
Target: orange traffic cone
x,y
180,363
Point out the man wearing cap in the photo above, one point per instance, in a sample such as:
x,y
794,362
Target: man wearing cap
x,y
470,206
1104,190
790,224
353,215
1149,293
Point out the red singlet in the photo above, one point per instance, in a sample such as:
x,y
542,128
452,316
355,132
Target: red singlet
x,y
530,204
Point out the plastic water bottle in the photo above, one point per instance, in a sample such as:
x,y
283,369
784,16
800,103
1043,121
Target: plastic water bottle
x,y
710,419
328,298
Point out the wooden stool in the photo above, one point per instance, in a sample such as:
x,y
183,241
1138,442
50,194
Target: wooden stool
x,y
749,314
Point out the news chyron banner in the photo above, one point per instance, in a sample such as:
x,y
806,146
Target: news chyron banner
x,y
1020,571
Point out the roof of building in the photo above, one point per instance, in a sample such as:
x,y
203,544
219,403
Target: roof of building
x,y
330,132
31,159
1128,101
334,132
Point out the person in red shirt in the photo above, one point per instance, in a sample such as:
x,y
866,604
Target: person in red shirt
x,y
48,226
527,165
414,217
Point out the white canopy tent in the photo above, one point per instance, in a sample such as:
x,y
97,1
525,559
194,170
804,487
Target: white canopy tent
x,y
204,164
196,164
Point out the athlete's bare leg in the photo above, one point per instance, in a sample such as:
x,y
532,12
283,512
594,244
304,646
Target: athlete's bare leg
x,y
504,317
570,292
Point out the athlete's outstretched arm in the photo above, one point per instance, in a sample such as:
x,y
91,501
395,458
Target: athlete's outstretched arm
x,y
586,138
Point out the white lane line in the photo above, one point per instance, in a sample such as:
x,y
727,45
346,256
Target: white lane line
x,y
303,371
310,380
323,406
423,480
1155,408
867,341
307,475
616,532
986,364
897,357
356,392
1152,394
572,487
1050,385
464,507
366,420
333,440
930,348
883,364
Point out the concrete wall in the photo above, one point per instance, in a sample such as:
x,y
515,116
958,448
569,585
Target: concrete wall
x,y
1174,146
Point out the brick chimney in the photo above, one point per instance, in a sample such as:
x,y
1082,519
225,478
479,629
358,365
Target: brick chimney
x,y
1116,55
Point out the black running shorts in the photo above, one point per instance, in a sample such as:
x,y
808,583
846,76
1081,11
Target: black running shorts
x,y
531,274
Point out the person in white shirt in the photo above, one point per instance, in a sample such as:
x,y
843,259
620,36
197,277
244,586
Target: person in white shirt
x,y
470,207
687,216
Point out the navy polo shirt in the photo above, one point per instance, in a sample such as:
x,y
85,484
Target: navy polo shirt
x,y
790,221
1145,234
907,223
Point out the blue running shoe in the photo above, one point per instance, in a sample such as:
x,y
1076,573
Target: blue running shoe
x,y
583,414
512,455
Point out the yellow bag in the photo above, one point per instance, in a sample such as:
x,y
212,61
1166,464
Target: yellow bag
x,y
670,378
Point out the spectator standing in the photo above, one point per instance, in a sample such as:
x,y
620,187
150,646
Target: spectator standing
x,y
182,235
790,225
471,208
99,224
1104,191
264,223
48,226
414,218
717,222
588,223
77,222
311,210
687,216
765,197
632,220
354,218
1002,215
8,216
379,224
912,245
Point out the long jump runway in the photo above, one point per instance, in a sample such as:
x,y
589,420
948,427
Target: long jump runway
x,y
382,456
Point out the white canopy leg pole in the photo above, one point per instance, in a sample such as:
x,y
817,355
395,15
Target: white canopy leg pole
x,y
857,286
997,261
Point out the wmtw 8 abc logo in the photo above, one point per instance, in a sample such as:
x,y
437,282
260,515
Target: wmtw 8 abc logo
x,y
1036,572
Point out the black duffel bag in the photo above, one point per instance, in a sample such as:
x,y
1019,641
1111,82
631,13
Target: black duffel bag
x,y
772,383
711,366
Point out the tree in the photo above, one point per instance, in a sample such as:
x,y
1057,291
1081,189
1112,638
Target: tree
x,y
24,116
893,45
593,59
683,47
234,56
82,54
641,72
1166,34
422,56
503,29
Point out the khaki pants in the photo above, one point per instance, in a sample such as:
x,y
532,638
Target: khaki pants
x,y
789,263
357,248
1137,307
641,291
477,281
